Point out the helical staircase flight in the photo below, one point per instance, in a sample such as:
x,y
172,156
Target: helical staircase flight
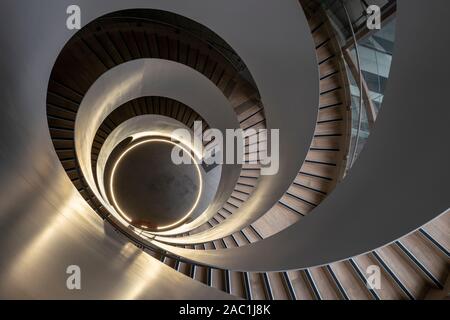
x,y
311,231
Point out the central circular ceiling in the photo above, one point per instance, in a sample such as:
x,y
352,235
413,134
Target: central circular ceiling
x,y
152,191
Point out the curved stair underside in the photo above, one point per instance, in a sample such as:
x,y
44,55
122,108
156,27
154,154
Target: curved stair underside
x,y
109,42
414,265
326,159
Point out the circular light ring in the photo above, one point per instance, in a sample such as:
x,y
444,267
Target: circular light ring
x,y
179,145
134,137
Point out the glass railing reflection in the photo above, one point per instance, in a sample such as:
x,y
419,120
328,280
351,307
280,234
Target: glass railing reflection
x,y
367,56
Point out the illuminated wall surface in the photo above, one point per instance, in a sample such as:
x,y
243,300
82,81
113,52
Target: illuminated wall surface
x,y
259,150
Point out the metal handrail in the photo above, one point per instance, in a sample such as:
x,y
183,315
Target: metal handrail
x,y
358,64
349,35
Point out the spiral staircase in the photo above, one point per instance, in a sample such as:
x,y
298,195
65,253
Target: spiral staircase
x,y
310,232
